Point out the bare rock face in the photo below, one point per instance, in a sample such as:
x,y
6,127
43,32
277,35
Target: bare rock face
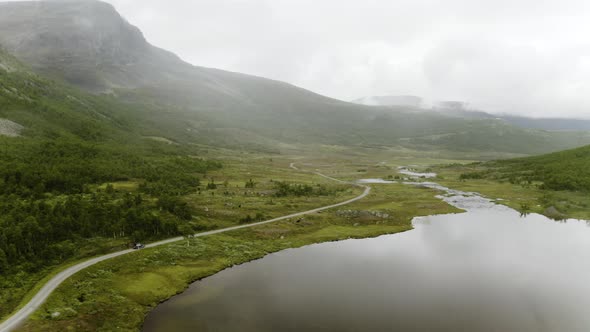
x,y
85,42
88,44
10,128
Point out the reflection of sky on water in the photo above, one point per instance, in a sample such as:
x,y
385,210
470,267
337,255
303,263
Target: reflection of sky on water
x,y
485,270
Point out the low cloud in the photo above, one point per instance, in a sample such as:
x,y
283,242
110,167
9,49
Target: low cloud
x,y
528,57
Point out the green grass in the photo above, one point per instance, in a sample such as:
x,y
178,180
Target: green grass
x,y
565,170
19,289
32,285
522,197
126,138
232,201
557,181
117,294
212,209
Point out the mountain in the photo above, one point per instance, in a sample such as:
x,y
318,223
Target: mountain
x,y
153,93
409,101
85,42
34,106
547,123
88,44
462,110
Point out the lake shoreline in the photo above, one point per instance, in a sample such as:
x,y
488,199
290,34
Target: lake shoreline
x,y
137,285
213,309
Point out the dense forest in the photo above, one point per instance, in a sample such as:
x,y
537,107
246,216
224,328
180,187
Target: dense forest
x,y
284,189
50,197
55,178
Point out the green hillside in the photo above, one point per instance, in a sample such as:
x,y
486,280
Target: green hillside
x,y
104,141
58,148
150,92
565,170
267,121
555,184
49,109
61,144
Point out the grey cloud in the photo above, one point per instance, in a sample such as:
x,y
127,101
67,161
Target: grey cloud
x,y
528,56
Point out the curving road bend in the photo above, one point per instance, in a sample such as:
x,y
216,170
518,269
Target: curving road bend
x,y
21,316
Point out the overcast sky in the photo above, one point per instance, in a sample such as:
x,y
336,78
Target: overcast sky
x,y
521,56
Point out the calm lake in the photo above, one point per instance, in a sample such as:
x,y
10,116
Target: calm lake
x,y
485,270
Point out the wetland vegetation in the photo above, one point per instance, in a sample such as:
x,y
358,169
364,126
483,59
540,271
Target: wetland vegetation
x,y
106,140
119,292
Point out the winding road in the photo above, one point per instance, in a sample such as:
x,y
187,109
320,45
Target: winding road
x,y
21,316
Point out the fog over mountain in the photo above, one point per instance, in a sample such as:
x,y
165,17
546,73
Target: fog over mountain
x,y
147,145
411,101
527,57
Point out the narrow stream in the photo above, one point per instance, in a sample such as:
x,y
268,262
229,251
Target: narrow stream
x,y
489,269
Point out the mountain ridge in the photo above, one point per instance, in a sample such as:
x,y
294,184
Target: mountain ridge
x,y
45,34
90,46
461,110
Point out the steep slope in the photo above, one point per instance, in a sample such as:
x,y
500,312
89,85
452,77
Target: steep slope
x,y
58,146
42,108
85,42
88,44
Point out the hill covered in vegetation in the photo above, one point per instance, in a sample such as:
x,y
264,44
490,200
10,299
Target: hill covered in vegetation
x,y
153,93
59,150
61,144
565,170
556,185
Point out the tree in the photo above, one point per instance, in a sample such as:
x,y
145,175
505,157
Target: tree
x,y
3,262
250,184
110,189
187,231
211,185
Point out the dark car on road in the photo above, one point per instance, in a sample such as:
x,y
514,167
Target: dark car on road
x,y
138,246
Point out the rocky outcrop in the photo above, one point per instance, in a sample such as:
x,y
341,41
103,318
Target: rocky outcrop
x,y
86,42
10,128
554,214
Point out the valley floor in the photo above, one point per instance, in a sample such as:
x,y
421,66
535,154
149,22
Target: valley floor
x,y
118,293
526,198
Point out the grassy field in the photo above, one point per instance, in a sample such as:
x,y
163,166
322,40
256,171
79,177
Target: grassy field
x,y
233,200
524,197
229,204
17,291
117,294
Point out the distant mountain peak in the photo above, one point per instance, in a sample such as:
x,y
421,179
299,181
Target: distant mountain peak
x,y
87,43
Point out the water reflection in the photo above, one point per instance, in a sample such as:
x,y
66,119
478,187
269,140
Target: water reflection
x,y
489,269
